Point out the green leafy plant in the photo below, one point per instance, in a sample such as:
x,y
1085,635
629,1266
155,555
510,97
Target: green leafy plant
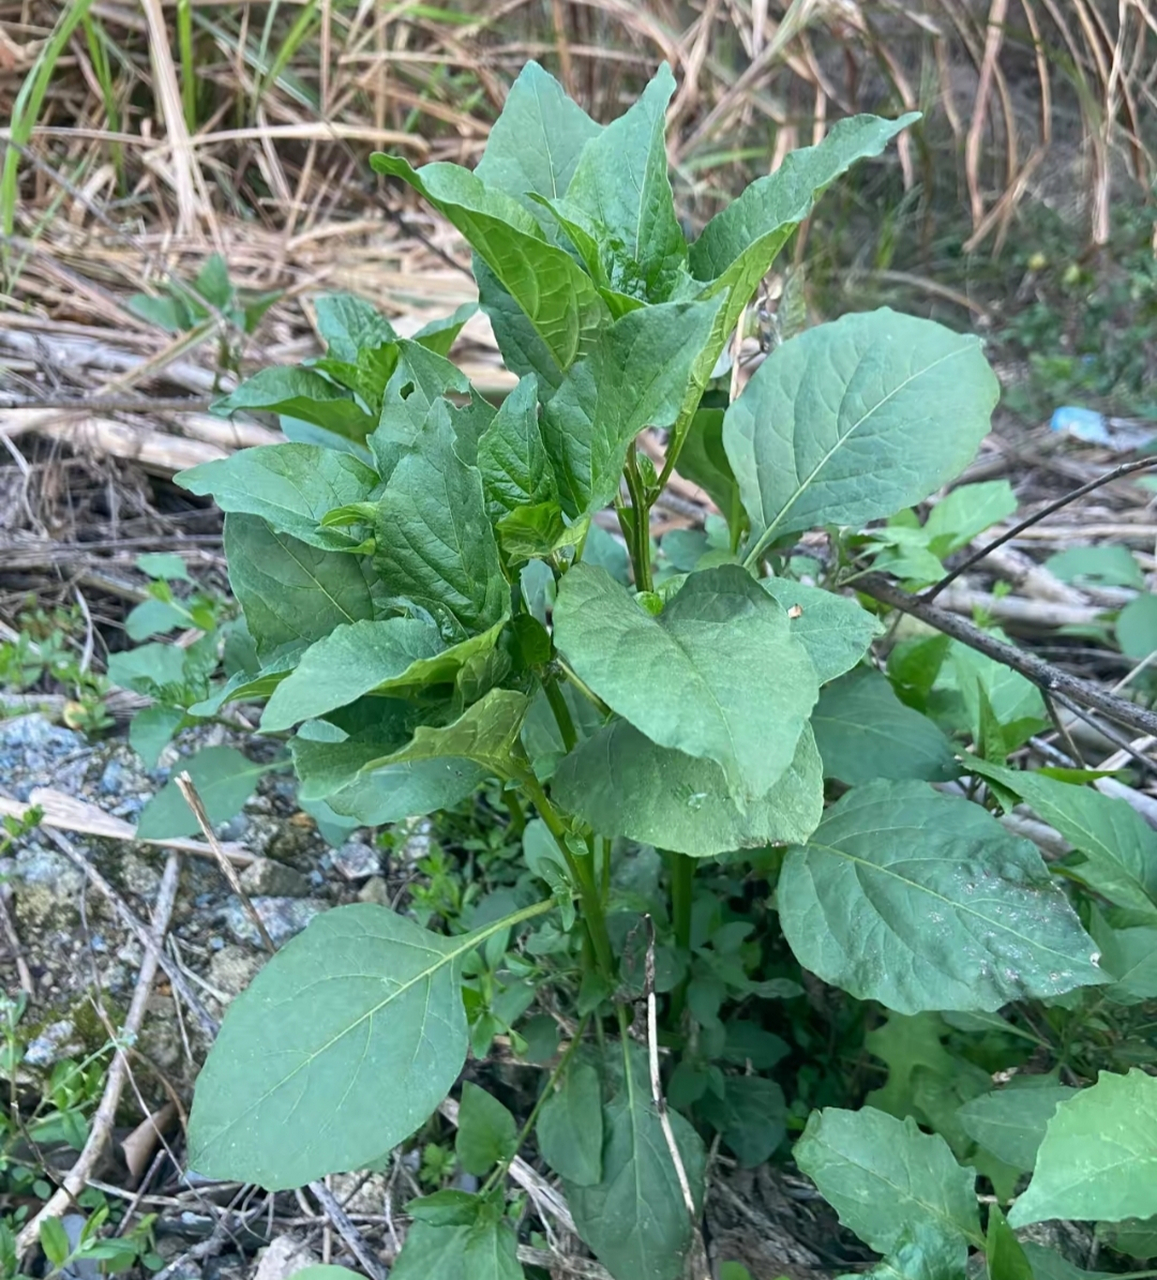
x,y
432,607
185,308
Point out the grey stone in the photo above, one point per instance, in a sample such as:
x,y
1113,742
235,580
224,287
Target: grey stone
x,y
47,889
358,1194
267,878
32,749
282,1259
375,890
233,968
282,918
56,1041
356,861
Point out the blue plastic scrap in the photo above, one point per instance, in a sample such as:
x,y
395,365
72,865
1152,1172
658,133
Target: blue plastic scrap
x,y
1119,434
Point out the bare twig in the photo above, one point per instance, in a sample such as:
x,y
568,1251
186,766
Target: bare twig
x,y
346,1229
1126,468
193,800
1043,674
697,1257
102,1121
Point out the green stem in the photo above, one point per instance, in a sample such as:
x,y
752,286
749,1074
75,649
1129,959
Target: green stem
x,y
582,874
562,715
682,870
499,1171
517,816
640,546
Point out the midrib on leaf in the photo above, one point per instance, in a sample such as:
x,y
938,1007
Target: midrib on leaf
x,y
840,441
975,1237
468,944
314,578
878,869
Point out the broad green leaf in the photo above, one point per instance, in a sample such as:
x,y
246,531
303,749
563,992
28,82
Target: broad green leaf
x,y
739,238
164,564
523,350
487,733
1120,847
751,1116
634,1219
148,668
243,685
1014,701
864,731
556,295
512,457
527,533
293,1086
440,335
737,688
1050,1265
637,375
1098,1159
1011,1122
349,324
622,784
607,552
388,656
54,1241
570,1127
1137,627
924,901
154,618
435,546
1110,565
152,729
833,629
1130,955
1002,1250
621,196
927,1252
343,774
535,143
966,512
487,1132
224,780
302,394
1134,1237
326,1272
474,1243
738,246
290,591
290,486
703,461
885,1178
842,424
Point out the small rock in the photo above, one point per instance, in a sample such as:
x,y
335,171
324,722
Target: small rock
x,y
358,1194
47,889
112,779
266,878
234,829
138,875
356,861
375,890
282,1259
57,1041
282,918
417,843
232,969
32,749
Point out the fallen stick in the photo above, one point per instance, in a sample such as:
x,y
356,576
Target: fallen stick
x,y
1043,674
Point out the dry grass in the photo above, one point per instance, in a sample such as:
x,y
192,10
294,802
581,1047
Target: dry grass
x,y
142,137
